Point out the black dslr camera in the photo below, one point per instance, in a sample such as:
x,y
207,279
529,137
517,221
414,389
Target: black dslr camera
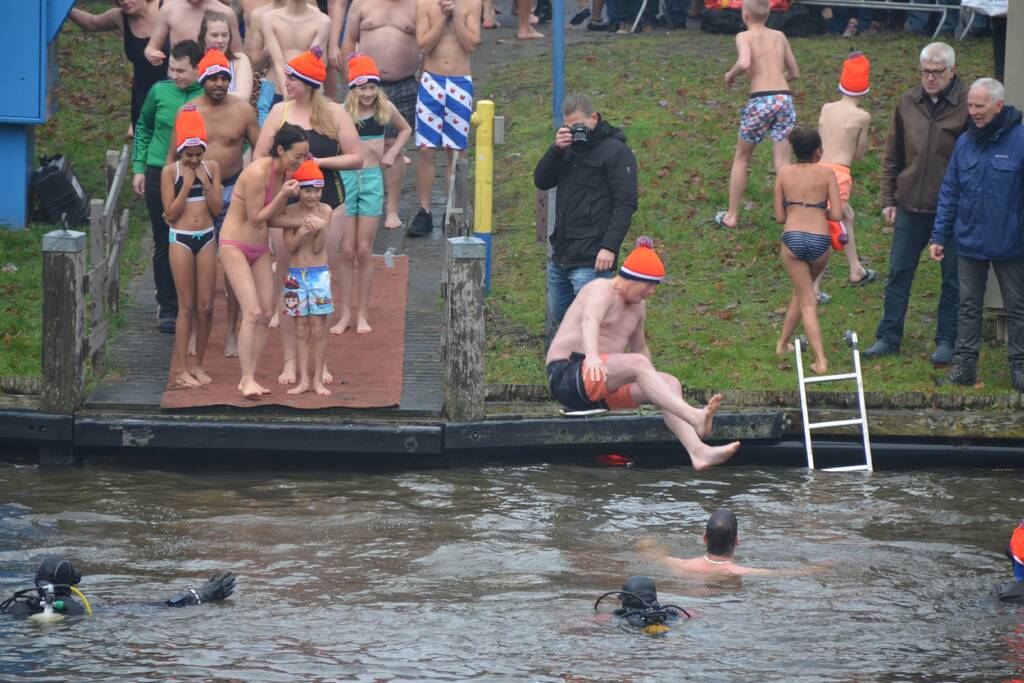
x,y
580,135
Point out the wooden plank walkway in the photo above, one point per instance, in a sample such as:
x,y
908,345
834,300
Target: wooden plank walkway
x,y
138,358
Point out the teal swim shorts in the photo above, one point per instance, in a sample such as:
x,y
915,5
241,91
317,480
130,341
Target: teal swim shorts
x,y
364,192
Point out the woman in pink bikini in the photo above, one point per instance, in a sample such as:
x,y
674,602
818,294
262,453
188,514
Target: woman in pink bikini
x,y
261,194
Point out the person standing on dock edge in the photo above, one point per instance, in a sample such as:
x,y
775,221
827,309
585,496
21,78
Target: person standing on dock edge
x,y
447,31
925,126
595,173
587,366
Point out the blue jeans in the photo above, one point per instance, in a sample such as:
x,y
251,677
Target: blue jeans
x,y
563,286
911,237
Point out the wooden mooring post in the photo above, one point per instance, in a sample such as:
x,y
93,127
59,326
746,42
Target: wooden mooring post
x,y
63,320
463,344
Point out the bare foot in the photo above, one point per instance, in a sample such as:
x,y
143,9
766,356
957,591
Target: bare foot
x,y
320,389
274,321
200,374
714,403
192,344
327,377
785,350
820,367
185,380
342,324
392,221
287,375
709,456
529,34
251,389
363,326
300,388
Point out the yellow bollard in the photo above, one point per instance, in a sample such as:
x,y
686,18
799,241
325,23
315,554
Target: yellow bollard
x,y
483,196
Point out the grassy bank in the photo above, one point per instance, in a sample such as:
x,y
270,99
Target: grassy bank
x,y
715,322
93,95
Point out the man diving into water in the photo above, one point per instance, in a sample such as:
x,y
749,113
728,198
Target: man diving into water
x,y
588,367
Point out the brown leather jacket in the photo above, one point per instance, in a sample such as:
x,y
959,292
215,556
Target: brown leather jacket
x,y
919,146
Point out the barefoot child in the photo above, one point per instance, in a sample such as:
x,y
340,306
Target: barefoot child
x,y
307,288
191,194
372,112
766,58
806,197
843,127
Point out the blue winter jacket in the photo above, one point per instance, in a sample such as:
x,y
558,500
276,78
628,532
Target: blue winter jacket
x,y
981,202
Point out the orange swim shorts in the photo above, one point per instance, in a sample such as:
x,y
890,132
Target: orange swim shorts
x,y
843,177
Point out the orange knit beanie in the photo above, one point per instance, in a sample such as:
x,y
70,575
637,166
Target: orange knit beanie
x,y
213,62
361,70
189,128
309,174
854,81
309,67
642,263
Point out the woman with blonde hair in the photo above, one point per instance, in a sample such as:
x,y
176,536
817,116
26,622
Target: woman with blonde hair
x,y
334,144
370,108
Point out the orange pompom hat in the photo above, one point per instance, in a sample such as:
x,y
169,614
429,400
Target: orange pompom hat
x,y
854,80
309,67
1017,543
213,62
309,174
189,128
642,263
362,70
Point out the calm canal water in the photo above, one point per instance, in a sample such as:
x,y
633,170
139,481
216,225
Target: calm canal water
x,y
491,574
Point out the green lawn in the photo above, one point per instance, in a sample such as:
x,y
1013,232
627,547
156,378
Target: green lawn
x,y
715,322
93,95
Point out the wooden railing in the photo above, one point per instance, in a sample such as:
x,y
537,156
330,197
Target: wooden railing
x,y
68,344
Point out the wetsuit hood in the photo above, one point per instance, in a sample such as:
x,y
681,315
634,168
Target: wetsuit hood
x,y
57,571
643,587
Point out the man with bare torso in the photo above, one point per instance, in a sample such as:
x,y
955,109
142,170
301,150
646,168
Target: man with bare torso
x,y
288,32
230,123
843,127
447,31
588,367
386,31
720,540
181,19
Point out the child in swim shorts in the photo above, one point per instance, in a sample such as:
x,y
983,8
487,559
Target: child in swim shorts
x,y
307,287
373,114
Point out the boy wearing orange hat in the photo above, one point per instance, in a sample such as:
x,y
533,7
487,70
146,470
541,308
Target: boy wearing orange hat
x,y
589,368
309,277
843,127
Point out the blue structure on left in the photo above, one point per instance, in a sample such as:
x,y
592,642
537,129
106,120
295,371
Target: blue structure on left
x,y
28,82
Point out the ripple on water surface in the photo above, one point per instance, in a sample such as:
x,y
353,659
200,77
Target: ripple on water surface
x,y
491,574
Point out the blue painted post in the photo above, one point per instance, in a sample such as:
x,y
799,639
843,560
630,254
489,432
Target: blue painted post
x,y
557,60
29,36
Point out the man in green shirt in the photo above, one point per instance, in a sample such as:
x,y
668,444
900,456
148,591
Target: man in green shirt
x,y
153,133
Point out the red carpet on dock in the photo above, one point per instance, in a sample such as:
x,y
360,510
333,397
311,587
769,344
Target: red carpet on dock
x,y
367,368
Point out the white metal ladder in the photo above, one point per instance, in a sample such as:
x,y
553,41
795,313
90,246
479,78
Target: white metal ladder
x,y
862,421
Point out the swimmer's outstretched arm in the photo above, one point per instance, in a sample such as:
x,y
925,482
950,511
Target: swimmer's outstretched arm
x,y
217,587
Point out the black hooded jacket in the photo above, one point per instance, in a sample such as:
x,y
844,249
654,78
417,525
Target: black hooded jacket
x,y
596,196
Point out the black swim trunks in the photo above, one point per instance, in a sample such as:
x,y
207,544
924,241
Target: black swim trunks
x,y
403,95
565,380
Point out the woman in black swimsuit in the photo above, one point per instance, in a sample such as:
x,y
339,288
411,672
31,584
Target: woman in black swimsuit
x,y
135,19
333,142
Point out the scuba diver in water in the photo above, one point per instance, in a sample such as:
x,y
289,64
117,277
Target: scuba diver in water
x,y
1014,551
640,610
55,593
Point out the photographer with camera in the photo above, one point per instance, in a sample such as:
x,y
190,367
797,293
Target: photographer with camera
x,y
595,176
